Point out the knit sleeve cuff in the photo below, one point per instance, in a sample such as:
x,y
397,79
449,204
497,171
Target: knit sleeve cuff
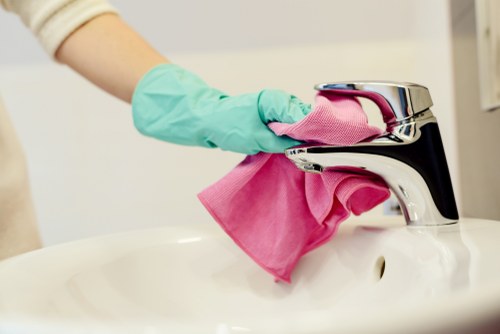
x,y
52,21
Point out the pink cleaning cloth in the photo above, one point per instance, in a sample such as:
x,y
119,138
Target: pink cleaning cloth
x,y
277,213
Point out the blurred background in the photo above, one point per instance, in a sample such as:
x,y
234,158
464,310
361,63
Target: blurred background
x,y
92,173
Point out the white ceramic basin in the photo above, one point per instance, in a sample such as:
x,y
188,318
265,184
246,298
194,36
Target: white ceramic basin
x,y
375,276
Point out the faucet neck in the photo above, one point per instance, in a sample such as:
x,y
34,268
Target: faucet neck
x,y
410,159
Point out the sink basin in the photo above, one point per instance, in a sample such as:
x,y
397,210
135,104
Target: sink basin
x,y
375,276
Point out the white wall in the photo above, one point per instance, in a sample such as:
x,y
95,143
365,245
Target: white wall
x,y
215,25
478,130
92,173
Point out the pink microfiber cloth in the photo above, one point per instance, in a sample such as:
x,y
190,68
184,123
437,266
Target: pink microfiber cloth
x,y
277,213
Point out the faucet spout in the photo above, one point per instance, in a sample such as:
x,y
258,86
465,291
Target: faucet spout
x,y
411,160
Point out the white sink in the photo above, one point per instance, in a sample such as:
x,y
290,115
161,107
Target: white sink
x,y
375,276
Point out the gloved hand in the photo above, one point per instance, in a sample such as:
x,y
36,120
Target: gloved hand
x,y
174,105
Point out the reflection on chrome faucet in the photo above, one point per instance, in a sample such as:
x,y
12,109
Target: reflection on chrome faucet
x,y
409,156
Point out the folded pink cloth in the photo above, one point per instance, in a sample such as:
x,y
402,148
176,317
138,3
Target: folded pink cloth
x,y
275,212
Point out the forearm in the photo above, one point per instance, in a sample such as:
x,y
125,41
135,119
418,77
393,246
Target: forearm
x,y
110,54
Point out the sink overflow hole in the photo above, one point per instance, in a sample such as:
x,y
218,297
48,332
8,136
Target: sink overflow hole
x,y
380,268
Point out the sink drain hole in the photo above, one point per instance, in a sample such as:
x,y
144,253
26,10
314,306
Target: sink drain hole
x,y
380,268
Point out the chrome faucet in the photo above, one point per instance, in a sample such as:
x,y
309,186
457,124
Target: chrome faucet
x,y
409,155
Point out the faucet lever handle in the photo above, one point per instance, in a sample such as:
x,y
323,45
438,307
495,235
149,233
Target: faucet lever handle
x,y
397,101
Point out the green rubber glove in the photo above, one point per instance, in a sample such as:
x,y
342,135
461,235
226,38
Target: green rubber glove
x,y
174,105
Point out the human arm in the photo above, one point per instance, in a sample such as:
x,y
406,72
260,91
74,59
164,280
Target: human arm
x,y
113,56
182,109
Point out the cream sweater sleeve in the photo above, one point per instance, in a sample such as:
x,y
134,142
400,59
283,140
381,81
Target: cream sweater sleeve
x,y
52,21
